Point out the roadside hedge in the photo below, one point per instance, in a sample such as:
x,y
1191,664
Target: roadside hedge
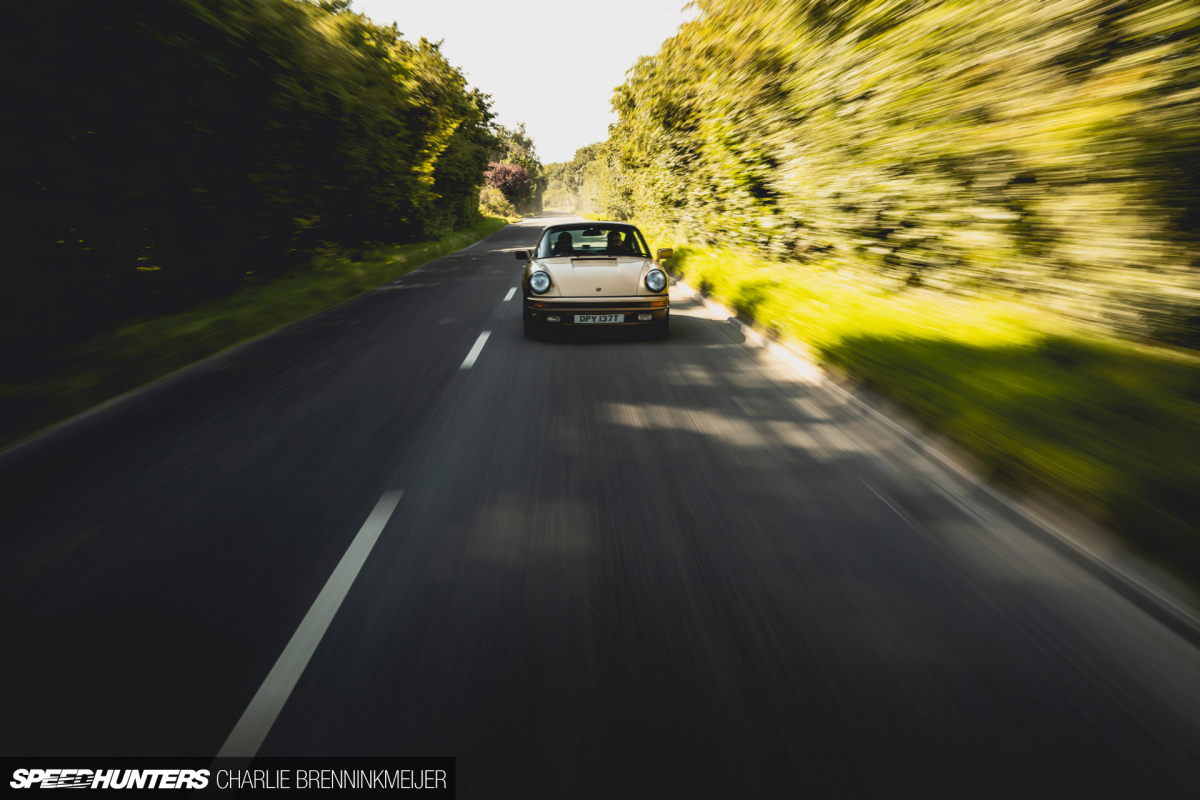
x,y
158,154
1043,151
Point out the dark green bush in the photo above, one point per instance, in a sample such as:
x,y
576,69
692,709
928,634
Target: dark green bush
x,y
1047,153
160,153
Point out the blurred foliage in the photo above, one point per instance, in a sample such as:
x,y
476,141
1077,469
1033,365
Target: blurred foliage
x,y
515,147
1111,425
160,153
511,180
1046,151
589,183
492,202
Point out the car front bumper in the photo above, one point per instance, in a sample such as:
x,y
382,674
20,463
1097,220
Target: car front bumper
x,y
563,310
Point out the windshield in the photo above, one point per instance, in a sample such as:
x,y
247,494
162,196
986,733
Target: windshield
x,y
592,240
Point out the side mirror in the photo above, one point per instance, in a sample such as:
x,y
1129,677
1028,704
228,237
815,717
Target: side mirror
x,y
665,252
522,255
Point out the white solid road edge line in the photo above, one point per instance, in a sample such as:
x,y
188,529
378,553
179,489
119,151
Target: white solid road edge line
x,y
469,361
510,294
259,716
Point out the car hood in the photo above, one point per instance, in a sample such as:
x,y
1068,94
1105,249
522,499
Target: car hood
x,y
596,277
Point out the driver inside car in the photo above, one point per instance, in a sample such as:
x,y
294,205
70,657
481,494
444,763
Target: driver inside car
x,y
615,246
564,245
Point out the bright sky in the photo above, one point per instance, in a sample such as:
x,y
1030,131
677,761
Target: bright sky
x,y
552,65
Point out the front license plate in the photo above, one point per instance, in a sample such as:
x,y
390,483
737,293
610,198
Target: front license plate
x,y
584,319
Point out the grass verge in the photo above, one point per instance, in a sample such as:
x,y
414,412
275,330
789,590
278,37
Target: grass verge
x,y
149,349
1109,425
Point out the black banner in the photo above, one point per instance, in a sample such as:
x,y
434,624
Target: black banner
x,y
233,777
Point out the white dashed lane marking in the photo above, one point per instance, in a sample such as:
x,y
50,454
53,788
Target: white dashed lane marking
x,y
469,361
259,716
510,294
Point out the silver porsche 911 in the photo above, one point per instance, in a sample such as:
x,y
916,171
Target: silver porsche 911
x,y
594,275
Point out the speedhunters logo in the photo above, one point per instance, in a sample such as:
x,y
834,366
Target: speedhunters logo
x,y
109,779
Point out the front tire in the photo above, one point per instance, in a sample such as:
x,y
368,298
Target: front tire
x,y
533,330
660,328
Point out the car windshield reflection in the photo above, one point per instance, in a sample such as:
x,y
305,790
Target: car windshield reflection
x,y
595,241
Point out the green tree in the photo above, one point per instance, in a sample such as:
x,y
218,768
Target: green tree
x,y
165,151
514,146
1049,152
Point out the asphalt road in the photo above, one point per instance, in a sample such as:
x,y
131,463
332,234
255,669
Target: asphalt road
x,y
602,569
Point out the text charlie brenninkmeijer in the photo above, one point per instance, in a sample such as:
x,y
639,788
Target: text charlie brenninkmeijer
x,y
230,779
331,779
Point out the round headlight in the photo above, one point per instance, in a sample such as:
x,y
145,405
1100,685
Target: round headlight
x,y
656,281
539,282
